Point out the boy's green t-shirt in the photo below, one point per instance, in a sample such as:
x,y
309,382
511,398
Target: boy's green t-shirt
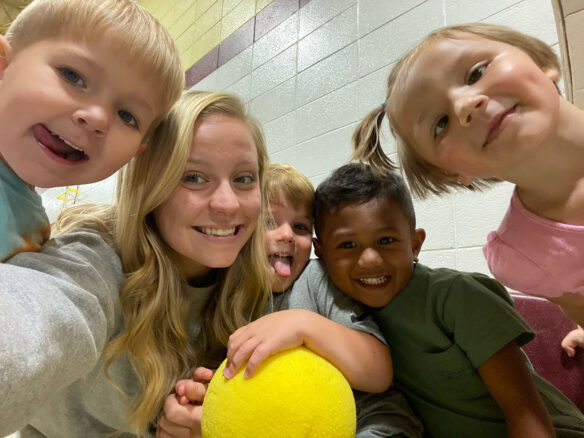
x,y
440,328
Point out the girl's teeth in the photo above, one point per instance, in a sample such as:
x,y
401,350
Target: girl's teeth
x,y
218,232
374,281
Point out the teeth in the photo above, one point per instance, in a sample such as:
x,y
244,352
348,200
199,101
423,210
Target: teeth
x,y
68,143
281,256
374,281
218,232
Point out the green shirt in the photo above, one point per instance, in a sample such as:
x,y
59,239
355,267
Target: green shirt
x,y
440,328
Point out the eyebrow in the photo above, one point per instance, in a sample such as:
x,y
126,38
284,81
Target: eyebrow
x,y
239,163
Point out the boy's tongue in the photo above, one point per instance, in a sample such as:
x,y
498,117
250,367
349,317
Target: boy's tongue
x,y
281,266
55,144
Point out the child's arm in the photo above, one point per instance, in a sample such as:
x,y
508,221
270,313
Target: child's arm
x,y
364,360
573,340
509,381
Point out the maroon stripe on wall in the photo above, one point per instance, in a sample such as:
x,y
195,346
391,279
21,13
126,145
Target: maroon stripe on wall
x,y
235,43
274,14
267,19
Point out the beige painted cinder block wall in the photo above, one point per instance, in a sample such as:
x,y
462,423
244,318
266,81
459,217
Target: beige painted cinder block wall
x,y
569,16
198,26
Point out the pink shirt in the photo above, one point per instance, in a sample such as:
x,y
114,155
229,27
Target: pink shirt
x,y
535,255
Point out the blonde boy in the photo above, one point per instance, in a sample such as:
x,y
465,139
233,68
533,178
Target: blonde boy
x,y
83,83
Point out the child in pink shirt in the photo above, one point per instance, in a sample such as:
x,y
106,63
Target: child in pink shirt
x,y
478,103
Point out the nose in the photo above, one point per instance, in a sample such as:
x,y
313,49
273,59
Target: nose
x,y
224,200
466,107
284,233
92,117
369,257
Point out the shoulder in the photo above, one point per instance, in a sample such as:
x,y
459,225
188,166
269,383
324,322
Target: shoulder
x,y
84,259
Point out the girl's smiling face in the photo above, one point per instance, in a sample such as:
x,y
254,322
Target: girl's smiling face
x,y
475,107
214,210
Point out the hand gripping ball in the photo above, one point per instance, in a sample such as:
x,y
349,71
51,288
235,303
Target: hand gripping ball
x,y
293,394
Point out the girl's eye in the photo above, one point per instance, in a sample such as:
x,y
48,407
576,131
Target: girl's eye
x,y
386,240
128,118
72,76
347,245
245,179
476,74
193,178
440,125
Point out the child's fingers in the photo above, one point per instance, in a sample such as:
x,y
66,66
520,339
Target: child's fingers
x,y
202,374
179,386
195,392
570,351
178,420
260,353
183,400
237,357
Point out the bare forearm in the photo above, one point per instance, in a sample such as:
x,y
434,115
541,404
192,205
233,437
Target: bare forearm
x,y
509,381
528,425
363,359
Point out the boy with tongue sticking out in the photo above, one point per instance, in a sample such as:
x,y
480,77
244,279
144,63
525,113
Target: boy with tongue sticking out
x,y
83,83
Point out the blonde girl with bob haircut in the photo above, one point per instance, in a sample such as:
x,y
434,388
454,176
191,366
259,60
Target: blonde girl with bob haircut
x,y
478,103
146,289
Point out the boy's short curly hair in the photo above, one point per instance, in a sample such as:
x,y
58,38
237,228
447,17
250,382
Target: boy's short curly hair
x,y
357,183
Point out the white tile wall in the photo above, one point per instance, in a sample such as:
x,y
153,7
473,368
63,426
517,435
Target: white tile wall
x,y
311,78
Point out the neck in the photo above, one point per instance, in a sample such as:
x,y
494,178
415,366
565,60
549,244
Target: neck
x,y
557,168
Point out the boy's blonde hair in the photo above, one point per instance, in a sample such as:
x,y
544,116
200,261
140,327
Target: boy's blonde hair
x,y
287,180
423,177
154,296
137,34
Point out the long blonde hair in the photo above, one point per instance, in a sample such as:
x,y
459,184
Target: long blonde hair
x,y
153,298
424,177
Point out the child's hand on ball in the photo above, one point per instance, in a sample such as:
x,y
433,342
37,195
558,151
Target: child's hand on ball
x,y
262,338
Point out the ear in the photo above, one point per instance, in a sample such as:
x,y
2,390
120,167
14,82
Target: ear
x,y
5,54
141,149
551,73
418,237
317,247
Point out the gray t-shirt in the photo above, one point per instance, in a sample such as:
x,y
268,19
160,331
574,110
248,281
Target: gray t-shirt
x,y
58,309
378,415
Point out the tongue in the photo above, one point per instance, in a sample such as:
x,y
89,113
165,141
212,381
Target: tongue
x,y
282,267
55,144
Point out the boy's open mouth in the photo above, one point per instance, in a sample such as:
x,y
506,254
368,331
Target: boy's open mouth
x,y
375,281
57,144
281,264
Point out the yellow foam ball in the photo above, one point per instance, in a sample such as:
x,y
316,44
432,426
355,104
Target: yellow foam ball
x,y
295,393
